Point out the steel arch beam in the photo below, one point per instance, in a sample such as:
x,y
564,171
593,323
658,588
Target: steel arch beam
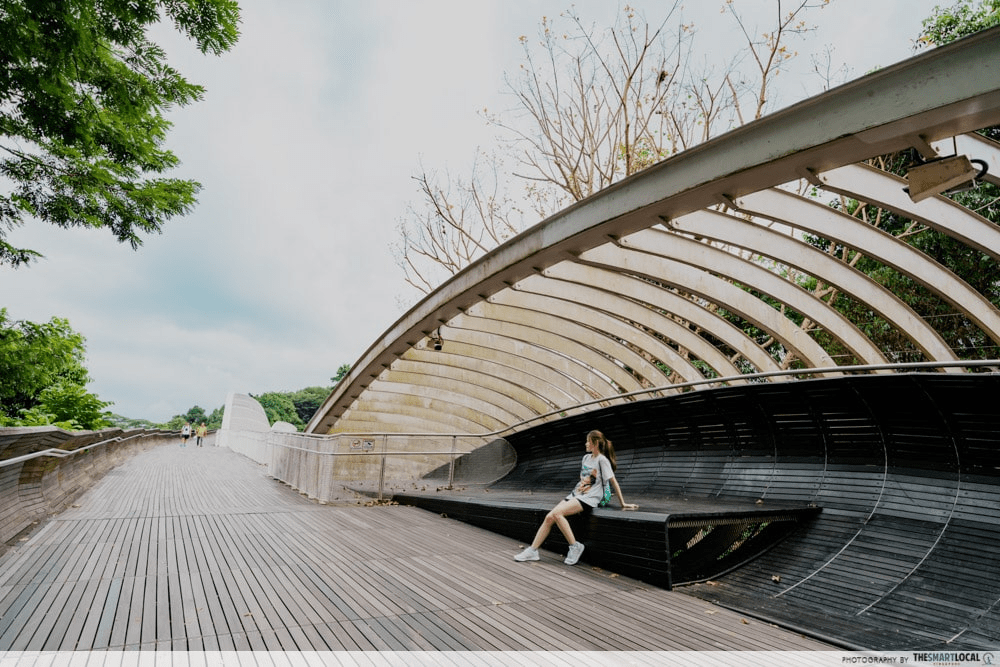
x,y
411,414
695,254
718,291
571,340
459,392
549,382
459,355
475,373
660,300
608,304
603,333
816,218
561,371
877,187
805,258
524,340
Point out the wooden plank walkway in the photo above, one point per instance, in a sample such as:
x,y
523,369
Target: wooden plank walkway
x,y
197,549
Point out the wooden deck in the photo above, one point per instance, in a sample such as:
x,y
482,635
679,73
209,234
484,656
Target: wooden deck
x,y
197,549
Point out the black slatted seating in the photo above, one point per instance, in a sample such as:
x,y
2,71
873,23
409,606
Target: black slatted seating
x,y
905,468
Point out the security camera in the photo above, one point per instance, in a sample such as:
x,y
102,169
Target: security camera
x,y
436,341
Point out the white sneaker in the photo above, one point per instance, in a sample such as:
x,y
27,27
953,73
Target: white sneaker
x,y
527,554
574,553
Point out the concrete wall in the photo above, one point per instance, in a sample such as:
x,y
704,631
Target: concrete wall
x,y
245,428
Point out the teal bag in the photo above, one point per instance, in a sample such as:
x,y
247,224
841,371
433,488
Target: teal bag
x,y
606,500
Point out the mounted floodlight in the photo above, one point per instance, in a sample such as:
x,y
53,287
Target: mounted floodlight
x,y
944,175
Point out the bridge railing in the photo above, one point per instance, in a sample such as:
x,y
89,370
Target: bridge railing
x,y
337,467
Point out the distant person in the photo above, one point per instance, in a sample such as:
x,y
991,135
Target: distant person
x,y
185,434
200,433
597,478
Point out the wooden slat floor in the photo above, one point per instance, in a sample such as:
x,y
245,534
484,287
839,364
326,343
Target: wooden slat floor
x,y
197,549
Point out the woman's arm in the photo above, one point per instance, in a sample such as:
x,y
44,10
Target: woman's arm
x,y
621,498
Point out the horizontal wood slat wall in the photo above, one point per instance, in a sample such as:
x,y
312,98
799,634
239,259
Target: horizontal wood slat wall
x,y
905,468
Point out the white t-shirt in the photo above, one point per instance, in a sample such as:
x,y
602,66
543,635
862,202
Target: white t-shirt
x,y
595,474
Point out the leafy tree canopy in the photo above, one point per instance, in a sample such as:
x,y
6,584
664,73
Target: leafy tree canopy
x,y
964,18
82,96
980,271
307,401
196,415
34,357
69,406
279,407
341,373
43,379
127,423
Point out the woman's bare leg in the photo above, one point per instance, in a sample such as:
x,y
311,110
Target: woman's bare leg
x,y
558,516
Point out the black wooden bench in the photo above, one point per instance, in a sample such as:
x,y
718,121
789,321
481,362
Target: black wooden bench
x,y
662,543
905,468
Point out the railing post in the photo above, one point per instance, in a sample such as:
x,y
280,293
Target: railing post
x,y
381,473
451,467
316,468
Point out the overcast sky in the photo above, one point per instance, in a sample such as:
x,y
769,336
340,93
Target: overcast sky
x,y
311,130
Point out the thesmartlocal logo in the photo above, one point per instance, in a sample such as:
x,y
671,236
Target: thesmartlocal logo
x,y
956,658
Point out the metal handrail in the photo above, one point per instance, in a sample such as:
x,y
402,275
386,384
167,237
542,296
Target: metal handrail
x,y
368,453
64,453
58,453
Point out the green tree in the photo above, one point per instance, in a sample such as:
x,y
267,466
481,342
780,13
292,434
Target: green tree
x,y
68,406
980,271
341,373
34,357
215,419
175,423
307,401
279,407
196,415
964,18
83,91
126,423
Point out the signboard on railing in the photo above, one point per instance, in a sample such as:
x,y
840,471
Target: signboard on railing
x,y
362,445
